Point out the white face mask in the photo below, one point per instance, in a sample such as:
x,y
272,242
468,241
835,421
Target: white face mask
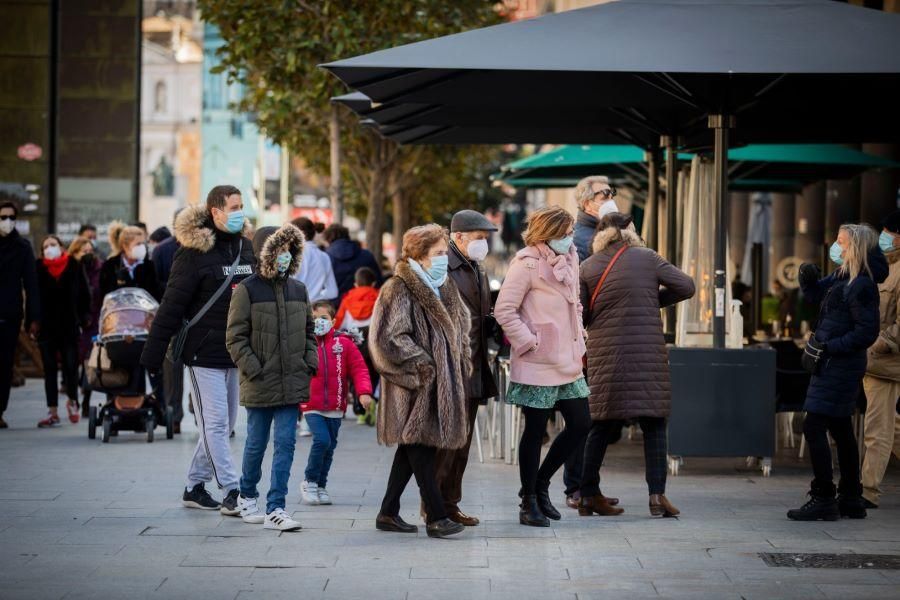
x,y
477,250
7,225
52,252
139,252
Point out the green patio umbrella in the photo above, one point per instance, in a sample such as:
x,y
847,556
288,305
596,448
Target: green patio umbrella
x,y
770,165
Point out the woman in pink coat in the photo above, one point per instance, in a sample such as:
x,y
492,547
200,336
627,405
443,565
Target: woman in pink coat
x,y
540,312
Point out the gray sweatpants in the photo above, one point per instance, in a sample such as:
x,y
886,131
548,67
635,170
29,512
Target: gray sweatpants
x,y
215,398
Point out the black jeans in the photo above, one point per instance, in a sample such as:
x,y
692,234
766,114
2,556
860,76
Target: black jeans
x,y
9,337
68,353
418,460
655,451
578,421
815,428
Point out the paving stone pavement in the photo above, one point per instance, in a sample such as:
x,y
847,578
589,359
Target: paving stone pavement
x,y
81,519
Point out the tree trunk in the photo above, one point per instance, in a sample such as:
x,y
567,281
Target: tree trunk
x,y
402,218
378,180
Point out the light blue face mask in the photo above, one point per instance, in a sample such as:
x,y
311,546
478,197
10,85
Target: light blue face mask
x,y
321,326
283,261
561,246
438,270
834,253
235,221
886,242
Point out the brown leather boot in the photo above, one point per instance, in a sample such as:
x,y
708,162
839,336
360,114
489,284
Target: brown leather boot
x,y
661,507
462,518
598,505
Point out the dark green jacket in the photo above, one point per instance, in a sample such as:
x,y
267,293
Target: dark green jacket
x,y
270,338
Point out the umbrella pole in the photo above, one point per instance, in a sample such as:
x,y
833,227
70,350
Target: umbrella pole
x,y
668,142
651,213
337,201
720,123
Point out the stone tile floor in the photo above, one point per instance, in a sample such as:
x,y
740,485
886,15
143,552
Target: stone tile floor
x,y
81,519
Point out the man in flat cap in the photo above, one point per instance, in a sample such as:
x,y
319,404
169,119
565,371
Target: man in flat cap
x,y
469,233
882,380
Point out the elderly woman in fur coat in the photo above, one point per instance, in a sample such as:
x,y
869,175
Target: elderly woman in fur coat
x,y
627,362
419,340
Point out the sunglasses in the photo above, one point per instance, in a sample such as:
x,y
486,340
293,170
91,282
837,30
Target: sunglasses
x,y
606,194
7,218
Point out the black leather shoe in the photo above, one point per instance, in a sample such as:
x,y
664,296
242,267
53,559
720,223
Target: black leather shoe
x,y
394,524
543,500
819,508
443,528
868,504
530,514
852,507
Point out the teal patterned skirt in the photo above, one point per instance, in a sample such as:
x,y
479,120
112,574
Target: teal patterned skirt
x,y
546,396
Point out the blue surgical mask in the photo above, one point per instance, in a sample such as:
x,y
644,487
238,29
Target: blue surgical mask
x,y
283,261
235,221
438,269
321,326
886,242
561,246
834,253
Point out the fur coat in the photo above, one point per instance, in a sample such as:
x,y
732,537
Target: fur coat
x,y
420,346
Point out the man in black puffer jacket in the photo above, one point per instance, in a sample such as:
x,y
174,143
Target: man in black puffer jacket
x,y
17,274
211,237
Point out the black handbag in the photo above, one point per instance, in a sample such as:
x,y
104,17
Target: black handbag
x,y
177,346
813,354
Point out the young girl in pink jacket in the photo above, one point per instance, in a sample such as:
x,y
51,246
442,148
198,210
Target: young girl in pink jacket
x,y
340,362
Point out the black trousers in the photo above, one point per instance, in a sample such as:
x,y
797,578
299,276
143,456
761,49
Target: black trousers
x,y
68,353
578,421
573,468
173,386
450,466
815,428
418,460
9,337
655,451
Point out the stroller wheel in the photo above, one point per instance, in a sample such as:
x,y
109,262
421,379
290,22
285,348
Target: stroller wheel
x,y
92,423
107,430
150,425
170,422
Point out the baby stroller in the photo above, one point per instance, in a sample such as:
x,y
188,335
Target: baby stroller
x,y
114,368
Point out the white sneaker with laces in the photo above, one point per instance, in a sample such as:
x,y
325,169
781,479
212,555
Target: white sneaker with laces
x,y
279,520
250,512
304,429
310,493
324,498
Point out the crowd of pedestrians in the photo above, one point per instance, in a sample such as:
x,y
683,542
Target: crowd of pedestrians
x,y
274,323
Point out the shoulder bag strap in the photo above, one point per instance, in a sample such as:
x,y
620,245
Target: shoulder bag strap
x,y
219,291
605,273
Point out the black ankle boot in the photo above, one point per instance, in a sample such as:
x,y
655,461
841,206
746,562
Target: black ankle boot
x,y
542,493
824,508
530,514
851,507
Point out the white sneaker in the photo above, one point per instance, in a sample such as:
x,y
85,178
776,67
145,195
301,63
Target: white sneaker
x,y
310,493
250,512
279,520
304,429
324,498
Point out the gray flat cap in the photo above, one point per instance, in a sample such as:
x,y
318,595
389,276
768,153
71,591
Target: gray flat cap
x,y
470,220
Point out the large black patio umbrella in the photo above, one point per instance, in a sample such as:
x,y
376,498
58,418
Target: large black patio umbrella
x,y
779,70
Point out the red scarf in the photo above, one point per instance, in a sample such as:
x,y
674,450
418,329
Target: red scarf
x,y
56,266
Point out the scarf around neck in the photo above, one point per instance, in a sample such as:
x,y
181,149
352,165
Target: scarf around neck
x,y
131,266
426,278
561,264
56,266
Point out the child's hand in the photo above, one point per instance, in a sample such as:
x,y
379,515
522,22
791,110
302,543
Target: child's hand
x,y
366,400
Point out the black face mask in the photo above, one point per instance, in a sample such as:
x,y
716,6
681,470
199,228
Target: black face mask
x,y
89,258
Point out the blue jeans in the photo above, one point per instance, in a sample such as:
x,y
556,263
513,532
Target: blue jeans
x,y
259,421
324,431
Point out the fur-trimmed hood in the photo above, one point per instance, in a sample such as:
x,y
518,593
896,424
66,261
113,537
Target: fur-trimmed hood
x,y
288,238
609,236
194,229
